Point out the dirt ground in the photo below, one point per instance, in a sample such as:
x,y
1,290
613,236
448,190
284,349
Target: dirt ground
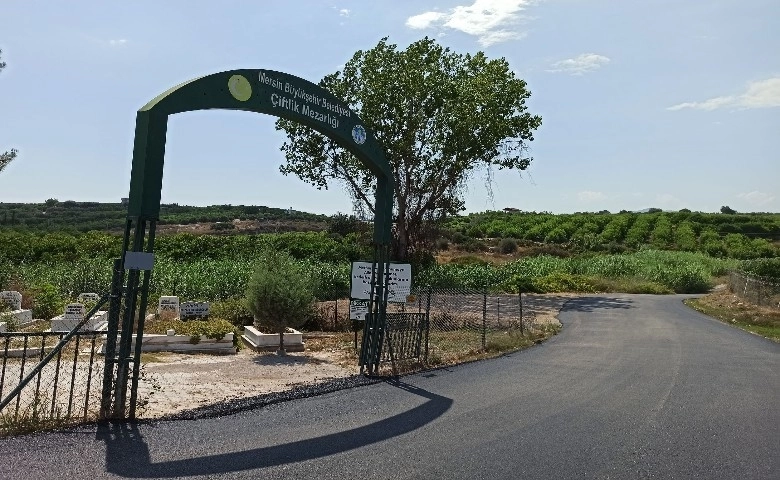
x,y
172,382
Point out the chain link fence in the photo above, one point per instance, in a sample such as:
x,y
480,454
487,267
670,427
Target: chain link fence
x,y
455,322
758,290
461,322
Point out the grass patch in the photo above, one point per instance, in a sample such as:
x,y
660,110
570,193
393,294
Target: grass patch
x,y
629,285
729,308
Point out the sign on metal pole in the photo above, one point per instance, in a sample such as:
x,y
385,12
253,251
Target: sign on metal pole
x,y
399,281
139,261
358,310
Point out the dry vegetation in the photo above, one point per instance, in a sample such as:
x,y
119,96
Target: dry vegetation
x,y
731,309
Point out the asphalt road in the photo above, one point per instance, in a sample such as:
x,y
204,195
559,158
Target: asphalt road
x,y
634,387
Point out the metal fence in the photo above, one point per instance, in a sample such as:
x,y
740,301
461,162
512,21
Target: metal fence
x,y
455,322
64,389
462,322
52,379
757,290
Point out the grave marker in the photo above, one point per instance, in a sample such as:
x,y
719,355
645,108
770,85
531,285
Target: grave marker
x,y
194,310
168,304
74,311
88,297
12,298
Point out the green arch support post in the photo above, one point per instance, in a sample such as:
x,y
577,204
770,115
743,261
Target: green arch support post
x,y
254,90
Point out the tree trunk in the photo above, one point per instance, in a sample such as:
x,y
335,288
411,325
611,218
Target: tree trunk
x,y
281,350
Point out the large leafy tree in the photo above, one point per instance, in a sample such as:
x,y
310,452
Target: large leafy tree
x,y
441,117
5,157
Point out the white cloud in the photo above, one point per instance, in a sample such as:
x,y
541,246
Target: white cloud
x,y
118,42
491,21
757,198
424,20
761,94
344,12
588,196
583,63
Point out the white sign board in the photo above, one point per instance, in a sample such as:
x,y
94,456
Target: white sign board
x,y
139,261
194,309
399,281
358,310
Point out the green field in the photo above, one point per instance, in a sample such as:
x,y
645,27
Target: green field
x,y
657,252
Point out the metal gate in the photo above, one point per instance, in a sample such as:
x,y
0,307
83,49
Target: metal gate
x,y
406,334
50,379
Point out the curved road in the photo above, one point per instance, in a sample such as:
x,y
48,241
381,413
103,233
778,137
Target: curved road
x,y
634,387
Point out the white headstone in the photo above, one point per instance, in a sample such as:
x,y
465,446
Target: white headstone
x,y
74,311
194,309
12,298
168,304
88,297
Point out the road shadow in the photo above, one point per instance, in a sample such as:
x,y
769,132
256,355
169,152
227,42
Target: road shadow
x,y
593,303
127,453
271,359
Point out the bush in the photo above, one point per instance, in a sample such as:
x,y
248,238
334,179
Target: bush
x,y
280,295
769,268
219,226
342,224
507,245
684,279
47,302
563,282
442,244
214,329
233,310
473,245
552,250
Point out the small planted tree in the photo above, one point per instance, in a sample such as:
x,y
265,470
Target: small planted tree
x,y
280,294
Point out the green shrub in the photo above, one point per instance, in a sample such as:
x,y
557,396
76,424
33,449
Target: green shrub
x,y
507,245
11,324
233,310
563,282
684,279
47,302
280,295
214,328
220,226
769,268
551,250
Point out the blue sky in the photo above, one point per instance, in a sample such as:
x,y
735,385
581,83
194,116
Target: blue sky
x,y
657,103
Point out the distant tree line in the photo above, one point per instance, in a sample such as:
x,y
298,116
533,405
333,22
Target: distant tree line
x,y
54,215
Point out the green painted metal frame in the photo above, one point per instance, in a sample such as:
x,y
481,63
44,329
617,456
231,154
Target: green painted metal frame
x,y
253,90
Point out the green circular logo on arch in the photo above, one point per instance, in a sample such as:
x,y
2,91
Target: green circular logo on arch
x,y
240,88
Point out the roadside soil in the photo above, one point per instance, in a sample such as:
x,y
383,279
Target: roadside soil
x,y
172,383
729,308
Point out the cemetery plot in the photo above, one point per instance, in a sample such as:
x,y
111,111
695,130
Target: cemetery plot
x,y
12,300
74,314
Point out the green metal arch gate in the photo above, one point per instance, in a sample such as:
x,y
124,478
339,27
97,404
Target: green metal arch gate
x,y
254,90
